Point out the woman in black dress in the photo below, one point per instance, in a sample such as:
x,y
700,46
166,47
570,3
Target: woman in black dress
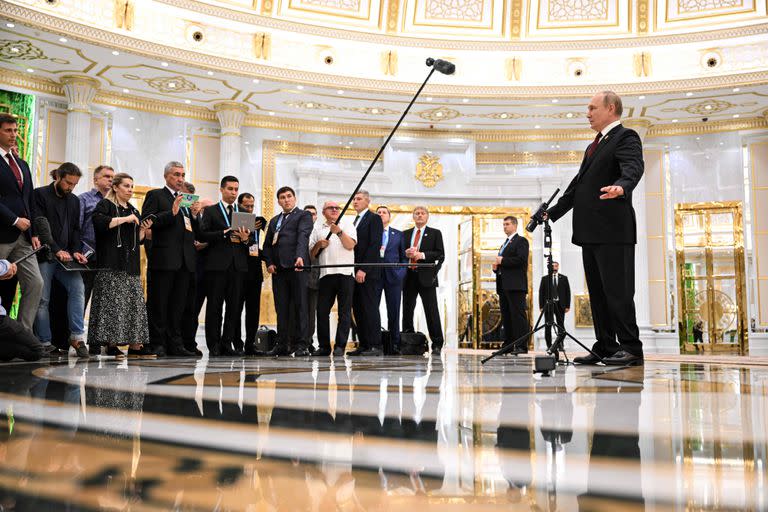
x,y
118,312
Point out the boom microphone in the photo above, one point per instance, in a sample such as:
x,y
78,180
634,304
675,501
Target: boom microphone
x,y
443,66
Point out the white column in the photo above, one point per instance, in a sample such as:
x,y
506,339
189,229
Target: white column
x,y
231,116
642,304
80,91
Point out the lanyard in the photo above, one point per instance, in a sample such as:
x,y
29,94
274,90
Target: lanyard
x,y
224,213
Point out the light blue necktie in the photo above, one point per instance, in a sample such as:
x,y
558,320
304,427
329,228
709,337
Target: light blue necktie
x,y
506,242
385,238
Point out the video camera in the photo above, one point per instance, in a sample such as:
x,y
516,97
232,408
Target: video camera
x,y
538,217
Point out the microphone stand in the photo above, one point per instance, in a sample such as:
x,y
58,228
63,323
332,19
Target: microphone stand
x,y
23,258
369,265
433,64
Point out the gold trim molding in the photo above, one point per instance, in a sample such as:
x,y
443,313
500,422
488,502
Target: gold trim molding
x,y
123,42
526,157
699,128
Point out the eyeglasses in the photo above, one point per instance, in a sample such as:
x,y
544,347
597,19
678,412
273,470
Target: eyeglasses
x,y
333,207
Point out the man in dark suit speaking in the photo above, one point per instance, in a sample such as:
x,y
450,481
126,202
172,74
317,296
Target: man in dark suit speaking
x,y
286,246
561,295
605,228
511,268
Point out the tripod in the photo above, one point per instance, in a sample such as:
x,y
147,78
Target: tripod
x,y
548,313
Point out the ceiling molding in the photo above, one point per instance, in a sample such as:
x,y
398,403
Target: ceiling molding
x,y
251,18
125,43
526,157
701,128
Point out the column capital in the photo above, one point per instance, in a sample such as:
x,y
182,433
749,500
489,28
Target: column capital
x,y
80,91
640,125
231,116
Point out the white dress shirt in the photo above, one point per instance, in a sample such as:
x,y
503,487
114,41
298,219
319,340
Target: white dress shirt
x,y
335,253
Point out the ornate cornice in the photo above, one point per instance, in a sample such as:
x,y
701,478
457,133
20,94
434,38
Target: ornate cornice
x,y
526,157
251,18
124,42
729,125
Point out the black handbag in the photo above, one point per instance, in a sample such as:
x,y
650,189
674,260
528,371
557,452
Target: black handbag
x,y
413,343
266,339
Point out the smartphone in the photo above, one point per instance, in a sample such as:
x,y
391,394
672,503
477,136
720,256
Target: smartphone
x,y
151,217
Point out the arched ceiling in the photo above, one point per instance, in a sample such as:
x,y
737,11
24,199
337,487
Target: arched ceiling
x,y
317,61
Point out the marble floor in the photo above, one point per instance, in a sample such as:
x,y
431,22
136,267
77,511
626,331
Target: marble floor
x,y
395,433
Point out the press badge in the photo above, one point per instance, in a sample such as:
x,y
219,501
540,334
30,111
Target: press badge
x,y
187,223
253,250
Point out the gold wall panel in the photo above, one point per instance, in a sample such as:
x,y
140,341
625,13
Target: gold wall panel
x,y
758,157
655,220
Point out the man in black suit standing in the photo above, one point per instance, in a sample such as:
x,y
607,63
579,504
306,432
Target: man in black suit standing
x,y
250,298
511,268
561,294
226,268
391,283
605,228
17,238
425,245
286,246
171,262
365,302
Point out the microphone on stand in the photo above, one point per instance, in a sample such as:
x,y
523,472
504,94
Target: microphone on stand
x,y
443,66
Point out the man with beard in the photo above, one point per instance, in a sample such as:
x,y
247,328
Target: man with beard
x,y
61,208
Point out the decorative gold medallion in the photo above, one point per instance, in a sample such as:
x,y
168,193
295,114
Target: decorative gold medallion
x,y
429,170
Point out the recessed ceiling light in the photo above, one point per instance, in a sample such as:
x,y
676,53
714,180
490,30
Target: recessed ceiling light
x,y
438,114
246,143
256,80
164,64
537,126
14,49
689,94
339,92
736,89
310,105
62,39
351,143
187,101
557,146
210,73
465,100
405,124
340,143
678,147
131,118
126,90
707,107
115,52
279,136
374,111
698,138
555,100
138,129
552,147
674,120
325,119
641,97
271,113
735,116
569,115
458,126
504,115
485,147
429,98
172,85
299,87
720,144
10,25
30,70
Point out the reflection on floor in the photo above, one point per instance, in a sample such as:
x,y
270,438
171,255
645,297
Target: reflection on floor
x,y
381,434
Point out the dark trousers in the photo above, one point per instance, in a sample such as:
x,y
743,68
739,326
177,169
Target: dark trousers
x,y
393,294
312,296
190,316
558,315
334,287
88,279
16,341
514,316
412,288
367,315
290,291
167,293
223,287
250,301
610,275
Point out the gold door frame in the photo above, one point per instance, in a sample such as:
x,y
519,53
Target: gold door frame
x,y
707,209
139,194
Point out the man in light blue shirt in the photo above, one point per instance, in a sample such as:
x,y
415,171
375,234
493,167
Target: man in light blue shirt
x,y
15,339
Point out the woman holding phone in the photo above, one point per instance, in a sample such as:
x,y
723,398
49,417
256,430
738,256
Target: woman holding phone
x,y
118,312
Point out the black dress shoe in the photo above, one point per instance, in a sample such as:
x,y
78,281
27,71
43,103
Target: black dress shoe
x,y
587,359
518,350
436,351
624,358
159,351
374,351
322,352
338,351
278,350
302,352
357,352
179,351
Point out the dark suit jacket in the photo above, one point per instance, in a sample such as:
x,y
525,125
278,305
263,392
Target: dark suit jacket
x,y
222,254
172,244
15,203
255,271
618,160
394,252
45,199
512,274
369,231
563,291
432,247
292,242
